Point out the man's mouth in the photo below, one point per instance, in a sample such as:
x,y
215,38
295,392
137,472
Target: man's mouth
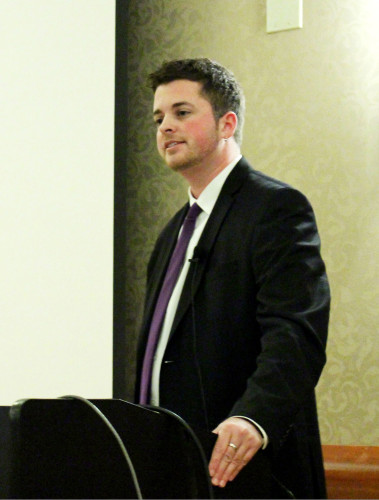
x,y
172,144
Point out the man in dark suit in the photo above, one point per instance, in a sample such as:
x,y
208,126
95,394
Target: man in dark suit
x,y
242,344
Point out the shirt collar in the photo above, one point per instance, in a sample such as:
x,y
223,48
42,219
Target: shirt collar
x,y
209,195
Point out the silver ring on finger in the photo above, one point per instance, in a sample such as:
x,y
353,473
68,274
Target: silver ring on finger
x,y
232,445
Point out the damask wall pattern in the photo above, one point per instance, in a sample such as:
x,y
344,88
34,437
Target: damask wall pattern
x,y
313,121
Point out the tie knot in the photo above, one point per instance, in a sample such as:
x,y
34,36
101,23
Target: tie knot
x,y
193,212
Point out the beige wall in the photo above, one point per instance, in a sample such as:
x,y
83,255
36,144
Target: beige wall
x,y
312,121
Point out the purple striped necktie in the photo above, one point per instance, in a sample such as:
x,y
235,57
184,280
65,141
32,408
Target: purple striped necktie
x,y
172,274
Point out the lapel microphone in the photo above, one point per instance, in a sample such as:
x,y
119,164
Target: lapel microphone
x,y
199,254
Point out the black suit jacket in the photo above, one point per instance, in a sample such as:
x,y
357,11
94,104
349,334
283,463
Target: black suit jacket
x,y
250,330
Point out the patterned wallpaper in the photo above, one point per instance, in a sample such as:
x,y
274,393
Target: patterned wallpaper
x,y
313,121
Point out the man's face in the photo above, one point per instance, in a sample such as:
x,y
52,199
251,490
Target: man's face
x,y
187,132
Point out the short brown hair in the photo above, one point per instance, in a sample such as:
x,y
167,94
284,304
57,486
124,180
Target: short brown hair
x,y
220,87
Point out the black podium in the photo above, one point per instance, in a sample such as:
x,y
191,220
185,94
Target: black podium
x,y
74,448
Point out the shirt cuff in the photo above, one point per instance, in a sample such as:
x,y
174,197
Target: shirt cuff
x,y
260,429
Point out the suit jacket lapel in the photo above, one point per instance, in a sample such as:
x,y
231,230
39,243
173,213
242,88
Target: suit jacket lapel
x,y
208,238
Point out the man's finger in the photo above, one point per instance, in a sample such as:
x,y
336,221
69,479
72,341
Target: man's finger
x,y
236,444
231,464
219,451
238,462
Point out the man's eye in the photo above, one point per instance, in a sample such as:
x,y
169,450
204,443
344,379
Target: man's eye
x,y
183,112
158,121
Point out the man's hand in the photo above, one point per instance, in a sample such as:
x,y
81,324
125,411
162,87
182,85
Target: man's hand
x,y
238,441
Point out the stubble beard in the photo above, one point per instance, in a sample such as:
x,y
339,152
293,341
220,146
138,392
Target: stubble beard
x,y
191,160
181,165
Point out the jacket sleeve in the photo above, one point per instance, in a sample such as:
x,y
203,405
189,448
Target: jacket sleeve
x,y
293,302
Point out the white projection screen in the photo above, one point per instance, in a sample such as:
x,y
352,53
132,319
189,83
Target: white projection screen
x,y
56,198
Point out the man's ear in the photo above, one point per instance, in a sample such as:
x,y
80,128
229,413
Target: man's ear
x,y
228,124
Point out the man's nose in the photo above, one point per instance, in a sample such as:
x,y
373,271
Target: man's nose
x,y
167,125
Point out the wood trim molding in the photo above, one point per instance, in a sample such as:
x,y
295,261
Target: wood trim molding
x,y
351,471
